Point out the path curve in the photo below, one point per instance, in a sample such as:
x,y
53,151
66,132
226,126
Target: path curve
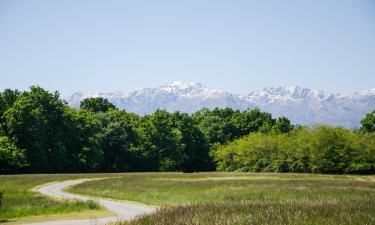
x,y
122,210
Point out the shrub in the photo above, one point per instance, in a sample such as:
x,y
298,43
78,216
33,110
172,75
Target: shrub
x,y
321,149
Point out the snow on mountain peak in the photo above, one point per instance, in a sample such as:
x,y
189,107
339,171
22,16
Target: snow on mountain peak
x,y
368,92
301,105
295,91
183,88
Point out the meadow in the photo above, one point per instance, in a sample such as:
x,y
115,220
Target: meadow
x,y
20,201
243,198
203,198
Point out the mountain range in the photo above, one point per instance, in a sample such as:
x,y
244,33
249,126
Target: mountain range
x,y
300,105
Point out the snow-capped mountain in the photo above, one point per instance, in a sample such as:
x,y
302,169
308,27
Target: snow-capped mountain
x,y
301,105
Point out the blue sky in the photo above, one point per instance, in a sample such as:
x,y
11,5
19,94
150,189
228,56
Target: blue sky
x,y
238,46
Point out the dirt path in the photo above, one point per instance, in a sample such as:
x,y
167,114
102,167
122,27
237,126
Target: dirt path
x,y
122,210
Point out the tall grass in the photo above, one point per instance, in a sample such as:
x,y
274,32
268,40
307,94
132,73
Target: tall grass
x,y
244,198
304,212
1,198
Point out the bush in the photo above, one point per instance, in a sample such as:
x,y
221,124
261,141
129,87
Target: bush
x,y
320,149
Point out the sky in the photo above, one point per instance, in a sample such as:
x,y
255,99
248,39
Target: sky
x,y
238,45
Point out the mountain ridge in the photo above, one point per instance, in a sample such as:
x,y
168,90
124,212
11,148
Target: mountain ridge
x,y
301,105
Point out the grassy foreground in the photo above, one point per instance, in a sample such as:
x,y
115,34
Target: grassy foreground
x,y
205,198
243,198
20,201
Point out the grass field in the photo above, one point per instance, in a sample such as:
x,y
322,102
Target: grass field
x,y
204,198
243,198
20,201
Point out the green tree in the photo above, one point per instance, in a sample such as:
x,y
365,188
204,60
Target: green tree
x,y
320,149
12,159
282,125
332,150
119,141
98,104
195,147
363,161
7,99
81,129
299,150
216,124
173,142
223,125
35,122
368,123
161,141
252,121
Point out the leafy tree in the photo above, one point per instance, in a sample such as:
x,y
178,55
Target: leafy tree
x,y
368,123
119,141
195,147
363,161
98,137
332,150
162,142
216,129
35,122
216,125
12,159
282,125
81,129
223,125
98,104
252,121
298,150
320,149
7,99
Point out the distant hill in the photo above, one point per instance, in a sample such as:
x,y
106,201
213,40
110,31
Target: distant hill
x,y
301,105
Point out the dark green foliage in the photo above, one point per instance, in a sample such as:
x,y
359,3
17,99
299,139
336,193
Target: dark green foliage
x,y
368,123
282,125
97,104
39,132
81,138
161,142
216,125
35,122
252,121
223,125
195,147
12,159
7,99
173,142
118,140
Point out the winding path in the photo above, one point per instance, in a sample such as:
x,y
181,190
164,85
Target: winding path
x,y
122,210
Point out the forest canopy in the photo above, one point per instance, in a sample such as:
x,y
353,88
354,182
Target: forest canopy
x,y
40,133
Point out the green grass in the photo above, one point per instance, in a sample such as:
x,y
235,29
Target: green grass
x,y
243,198
207,198
20,201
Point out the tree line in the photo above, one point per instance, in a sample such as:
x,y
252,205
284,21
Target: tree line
x,y
321,149
40,133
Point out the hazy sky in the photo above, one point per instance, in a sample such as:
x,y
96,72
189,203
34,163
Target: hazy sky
x,y
238,46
